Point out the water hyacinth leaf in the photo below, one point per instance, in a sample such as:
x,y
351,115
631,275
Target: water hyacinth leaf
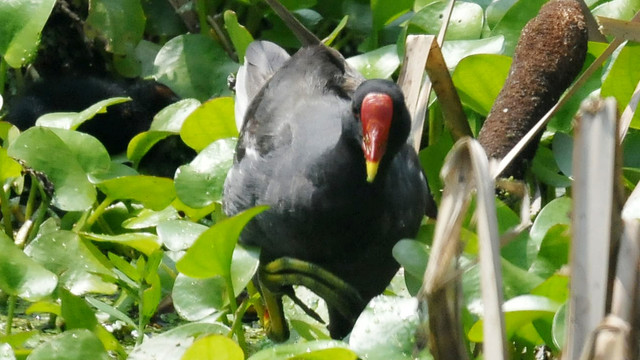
x,y
546,170
496,10
385,11
71,120
195,299
81,265
479,79
456,50
555,212
41,149
179,235
200,183
519,312
559,327
385,329
214,347
562,148
153,192
173,343
146,243
9,168
623,76
554,251
514,21
172,117
617,9
293,351
21,23
120,22
213,120
77,344
147,218
142,143
467,20
413,256
377,64
240,37
194,66
22,276
210,255
89,151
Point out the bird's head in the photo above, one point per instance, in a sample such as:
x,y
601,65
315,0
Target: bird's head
x,y
379,106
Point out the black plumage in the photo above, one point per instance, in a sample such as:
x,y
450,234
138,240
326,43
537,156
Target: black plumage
x,y
301,152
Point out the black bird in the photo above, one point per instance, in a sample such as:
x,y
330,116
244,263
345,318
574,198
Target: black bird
x,y
117,126
327,151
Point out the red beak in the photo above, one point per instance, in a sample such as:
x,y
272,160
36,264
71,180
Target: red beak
x,y
376,112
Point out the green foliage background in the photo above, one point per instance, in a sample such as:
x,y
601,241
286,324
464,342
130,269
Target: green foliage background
x,y
93,247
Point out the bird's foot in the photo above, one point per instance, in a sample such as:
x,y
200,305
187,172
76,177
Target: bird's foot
x,y
276,279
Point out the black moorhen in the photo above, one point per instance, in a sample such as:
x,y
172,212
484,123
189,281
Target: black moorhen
x,y
327,152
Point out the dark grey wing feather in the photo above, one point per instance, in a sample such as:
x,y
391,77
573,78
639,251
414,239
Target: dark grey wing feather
x,y
262,59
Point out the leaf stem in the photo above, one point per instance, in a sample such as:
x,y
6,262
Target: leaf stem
x,y
97,212
237,329
11,307
6,212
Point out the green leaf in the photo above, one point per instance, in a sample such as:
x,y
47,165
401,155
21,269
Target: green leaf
x,y
546,170
294,351
111,311
21,23
555,212
153,192
172,117
210,255
213,120
194,66
146,243
90,153
9,168
173,343
479,79
454,51
240,37
147,218
377,64
79,264
201,183
559,326
76,313
77,344
413,256
623,76
467,20
214,347
386,329
118,22
617,9
142,143
384,11
195,299
554,251
44,151
519,312
512,23
71,120
20,275
179,235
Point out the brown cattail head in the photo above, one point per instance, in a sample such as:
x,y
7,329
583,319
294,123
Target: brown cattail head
x,y
549,55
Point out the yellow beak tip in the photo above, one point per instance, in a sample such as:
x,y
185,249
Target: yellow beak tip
x,y
372,170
